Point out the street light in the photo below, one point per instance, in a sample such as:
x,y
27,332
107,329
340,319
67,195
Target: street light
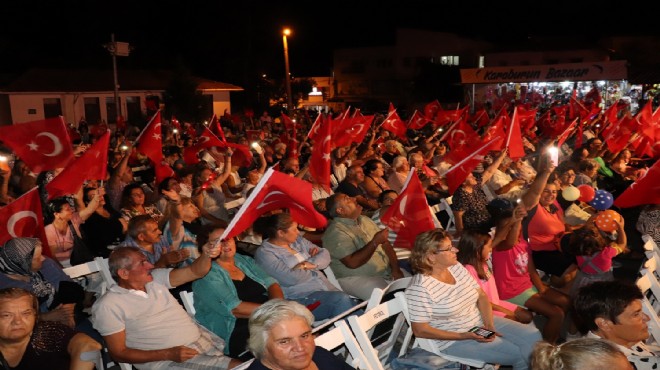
x,y
287,77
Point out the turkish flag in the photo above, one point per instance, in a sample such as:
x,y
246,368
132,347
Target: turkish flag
x,y
444,117
394,123
319,163
255,135
43,145
461,136
350,130
480,118
460,171
314,130
163,171
619,134
23,218
646,190
417,121
206,140
527,118
150,141
567,133
431,110
409,215
242,155
514,138
643,146
496,130
277,190
611,115
91,165
649,121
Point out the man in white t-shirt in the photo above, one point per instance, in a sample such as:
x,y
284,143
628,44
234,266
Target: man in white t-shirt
x,y
143,324
612,310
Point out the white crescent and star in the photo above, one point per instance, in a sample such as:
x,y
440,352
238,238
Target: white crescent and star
x,y
11,223
402,205
57,145
263,201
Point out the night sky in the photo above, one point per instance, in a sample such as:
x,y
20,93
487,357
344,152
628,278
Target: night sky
x,y
232,41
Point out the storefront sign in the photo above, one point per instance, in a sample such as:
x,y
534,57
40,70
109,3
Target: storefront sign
x,y
595,71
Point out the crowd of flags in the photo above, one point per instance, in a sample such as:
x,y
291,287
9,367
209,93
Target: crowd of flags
x,y
45,145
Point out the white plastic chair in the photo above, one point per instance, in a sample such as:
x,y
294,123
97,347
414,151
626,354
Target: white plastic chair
x,y
331,277
362,325
188,301
650,247
647,282
339,337
78,272
425,344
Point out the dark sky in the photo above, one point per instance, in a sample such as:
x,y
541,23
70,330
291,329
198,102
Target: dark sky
x,y
230,41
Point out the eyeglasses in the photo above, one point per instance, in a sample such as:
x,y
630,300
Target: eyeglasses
x,y
450,249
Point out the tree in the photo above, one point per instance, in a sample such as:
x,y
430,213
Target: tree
x,y
182,98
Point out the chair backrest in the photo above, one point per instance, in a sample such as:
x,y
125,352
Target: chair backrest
x,y
244,365
105,271
445,205
426,344
339,337
78,272
650,247
379,355
650,287
377,295
188,302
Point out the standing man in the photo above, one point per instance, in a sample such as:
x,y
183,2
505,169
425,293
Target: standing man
x,y
612,310
143,324
362,257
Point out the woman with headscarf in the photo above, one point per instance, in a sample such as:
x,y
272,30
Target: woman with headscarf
x,y
23,266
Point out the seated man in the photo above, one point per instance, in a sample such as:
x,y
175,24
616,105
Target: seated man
x,y
143,233
350,186
612,310
144,325
362,257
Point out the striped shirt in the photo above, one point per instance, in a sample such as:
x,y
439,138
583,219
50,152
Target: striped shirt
x,y
445,306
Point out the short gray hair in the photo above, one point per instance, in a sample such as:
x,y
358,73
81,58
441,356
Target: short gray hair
x,y
268,315
398,161
121,258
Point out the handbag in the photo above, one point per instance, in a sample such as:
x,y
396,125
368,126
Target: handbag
x,y
80,253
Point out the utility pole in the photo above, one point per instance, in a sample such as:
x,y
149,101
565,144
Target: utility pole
x,y
116,49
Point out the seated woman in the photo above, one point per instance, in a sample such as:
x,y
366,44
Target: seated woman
x,y
133,203
233,288
296,264
446,304
474,252
104,227
374,182
515,274
579,354
281,338
23,266
27,343
66,222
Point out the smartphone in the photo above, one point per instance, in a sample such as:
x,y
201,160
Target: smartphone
x,y
482,332
554,155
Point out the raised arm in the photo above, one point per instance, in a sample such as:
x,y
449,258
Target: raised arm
x,y
198,269
531,198
490,170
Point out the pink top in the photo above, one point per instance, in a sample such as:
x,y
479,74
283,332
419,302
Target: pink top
x,y
510,270
603,261
490,289
546,229
62,243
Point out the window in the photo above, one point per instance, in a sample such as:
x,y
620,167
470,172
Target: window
x,y
133,110
52,107
482,61
111,109
92,110
450,60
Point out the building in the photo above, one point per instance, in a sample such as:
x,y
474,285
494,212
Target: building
x,y
384,74
89,94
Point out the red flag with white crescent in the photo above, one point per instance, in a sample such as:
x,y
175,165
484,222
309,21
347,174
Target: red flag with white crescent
x,y
23,218
409,215
43,145
277,190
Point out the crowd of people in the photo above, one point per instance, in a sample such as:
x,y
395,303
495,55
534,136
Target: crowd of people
x,y
528,259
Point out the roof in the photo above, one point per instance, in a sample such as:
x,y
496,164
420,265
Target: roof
x,y
94,80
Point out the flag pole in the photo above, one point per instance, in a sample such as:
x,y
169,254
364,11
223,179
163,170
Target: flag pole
x,y
147,125
472,155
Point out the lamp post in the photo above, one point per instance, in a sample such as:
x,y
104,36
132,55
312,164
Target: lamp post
x,y
116,49
287,77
